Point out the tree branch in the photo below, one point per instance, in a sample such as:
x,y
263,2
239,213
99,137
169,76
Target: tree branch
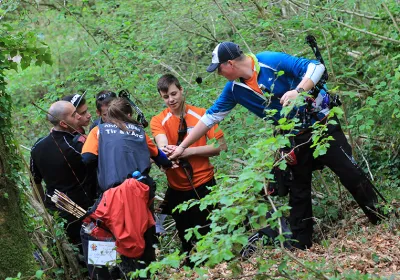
x,y
233,26
391,16
359,14
349,26
364,31
186,30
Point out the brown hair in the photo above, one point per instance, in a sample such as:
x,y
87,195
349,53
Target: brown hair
x,y
118,112
104,97
165,81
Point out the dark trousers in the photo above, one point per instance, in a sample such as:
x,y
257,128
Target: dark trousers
x,y
190,218
353,180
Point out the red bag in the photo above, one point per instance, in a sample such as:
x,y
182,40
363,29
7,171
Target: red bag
x,y
124,211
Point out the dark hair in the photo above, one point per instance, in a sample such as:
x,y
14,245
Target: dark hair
x,y
118,112
165,81
104,97
241,57
76,99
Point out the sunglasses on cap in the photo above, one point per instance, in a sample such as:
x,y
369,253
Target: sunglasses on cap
x,y
103,96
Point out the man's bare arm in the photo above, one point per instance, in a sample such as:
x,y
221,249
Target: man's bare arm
x,y
207,150
195,134
161,141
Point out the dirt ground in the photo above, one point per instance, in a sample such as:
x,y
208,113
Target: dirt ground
x,y
353,245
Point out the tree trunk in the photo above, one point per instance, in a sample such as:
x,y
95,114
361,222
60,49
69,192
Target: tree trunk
x,y
16,250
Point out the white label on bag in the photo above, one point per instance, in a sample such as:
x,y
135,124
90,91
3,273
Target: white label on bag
x,y
102,253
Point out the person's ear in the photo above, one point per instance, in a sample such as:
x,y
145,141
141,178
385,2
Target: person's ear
x,y
63,124
130,115
98,113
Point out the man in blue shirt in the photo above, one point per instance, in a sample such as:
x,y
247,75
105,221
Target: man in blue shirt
x,y
285,77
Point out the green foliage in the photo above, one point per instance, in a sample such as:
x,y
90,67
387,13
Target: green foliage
x,y
112,45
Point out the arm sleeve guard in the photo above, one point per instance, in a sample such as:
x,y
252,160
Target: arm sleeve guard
x,y
162,160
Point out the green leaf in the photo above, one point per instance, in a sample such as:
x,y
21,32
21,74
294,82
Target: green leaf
x,y
282,266
375,258
325,243
280,73
241,239
143,273
39,274
189,234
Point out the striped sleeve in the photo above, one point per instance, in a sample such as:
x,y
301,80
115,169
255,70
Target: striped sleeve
x,y
156,126
221,107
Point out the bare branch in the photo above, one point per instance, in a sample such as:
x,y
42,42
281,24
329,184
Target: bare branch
x,y
366,162
359,14
391,16
349,26
233,26
364,31
186,30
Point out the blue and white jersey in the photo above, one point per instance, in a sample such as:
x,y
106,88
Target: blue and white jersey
x,y
270,64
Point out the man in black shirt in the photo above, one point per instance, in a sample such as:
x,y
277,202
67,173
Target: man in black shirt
x,y
56,160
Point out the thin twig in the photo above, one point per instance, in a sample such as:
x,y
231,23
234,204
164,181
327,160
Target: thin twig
x,y
204,26
363,31
275,210
233,26
26,148
349,26
103,50
169,226
97,43
187,30
366,162
359,14
172,239
238,160
391,16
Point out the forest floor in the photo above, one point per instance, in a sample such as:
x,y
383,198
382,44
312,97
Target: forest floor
x,y
353,245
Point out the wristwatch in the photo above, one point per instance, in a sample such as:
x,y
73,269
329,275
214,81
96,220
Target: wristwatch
x,y
300,90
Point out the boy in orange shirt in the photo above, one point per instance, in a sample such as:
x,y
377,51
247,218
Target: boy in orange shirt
x,y
195,173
